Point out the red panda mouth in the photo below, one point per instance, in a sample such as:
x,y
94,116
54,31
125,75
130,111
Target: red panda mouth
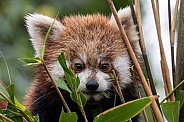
x,y
91,93
93,96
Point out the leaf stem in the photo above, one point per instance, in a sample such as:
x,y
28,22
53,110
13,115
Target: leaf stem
x,y
9,101
118,89
81,106
116,84
172,91
55,86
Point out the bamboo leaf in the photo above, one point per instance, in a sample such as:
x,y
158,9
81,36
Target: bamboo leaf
x,y
77,82
68,117
62,84
171,111
62,61
11,92
18,105
3,91
70,81
124,111
17,119
22,108
42,51
180,97
106,94
11,111
31,61
74,97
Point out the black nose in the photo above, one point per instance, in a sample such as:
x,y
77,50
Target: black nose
x,y
92,85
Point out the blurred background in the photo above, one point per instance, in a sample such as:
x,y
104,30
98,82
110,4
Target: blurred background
x,y
14,38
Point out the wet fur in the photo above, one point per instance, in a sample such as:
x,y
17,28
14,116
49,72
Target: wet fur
x,y
90,39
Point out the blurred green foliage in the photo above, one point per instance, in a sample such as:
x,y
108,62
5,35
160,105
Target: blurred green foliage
x,y
14,39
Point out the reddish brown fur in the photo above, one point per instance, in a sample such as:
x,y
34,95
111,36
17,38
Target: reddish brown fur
x,y
92,34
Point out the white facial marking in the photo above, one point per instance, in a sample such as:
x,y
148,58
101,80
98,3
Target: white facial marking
x,y
56,70
102,79
122,65
83,79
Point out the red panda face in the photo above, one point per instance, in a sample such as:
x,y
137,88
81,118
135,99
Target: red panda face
x,y
95,46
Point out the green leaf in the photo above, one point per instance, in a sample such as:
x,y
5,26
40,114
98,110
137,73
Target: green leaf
x,y
31,61
17,119
62,84
180,97
36,118
124,111
74,97
171,111
68,117
70,81
11,111
77,82
42,51
3,91
18,105
62,61
11,91
23,109
106,94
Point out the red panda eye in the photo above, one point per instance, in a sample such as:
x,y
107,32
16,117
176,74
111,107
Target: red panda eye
x,y
78,67
104,67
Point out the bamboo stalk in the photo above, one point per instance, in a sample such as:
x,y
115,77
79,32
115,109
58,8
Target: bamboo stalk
x,y
138,22
134,59
169,15
143,47
174,21
180,54
172,34
117,87
164,66
138,13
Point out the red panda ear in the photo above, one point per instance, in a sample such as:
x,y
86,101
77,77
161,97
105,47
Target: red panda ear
x,y
38,26
125,17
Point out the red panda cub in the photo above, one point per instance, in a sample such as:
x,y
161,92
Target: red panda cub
x,y
96,48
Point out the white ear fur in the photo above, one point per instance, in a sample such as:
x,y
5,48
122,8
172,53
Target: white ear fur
x,y
122,14
125,17
38,26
